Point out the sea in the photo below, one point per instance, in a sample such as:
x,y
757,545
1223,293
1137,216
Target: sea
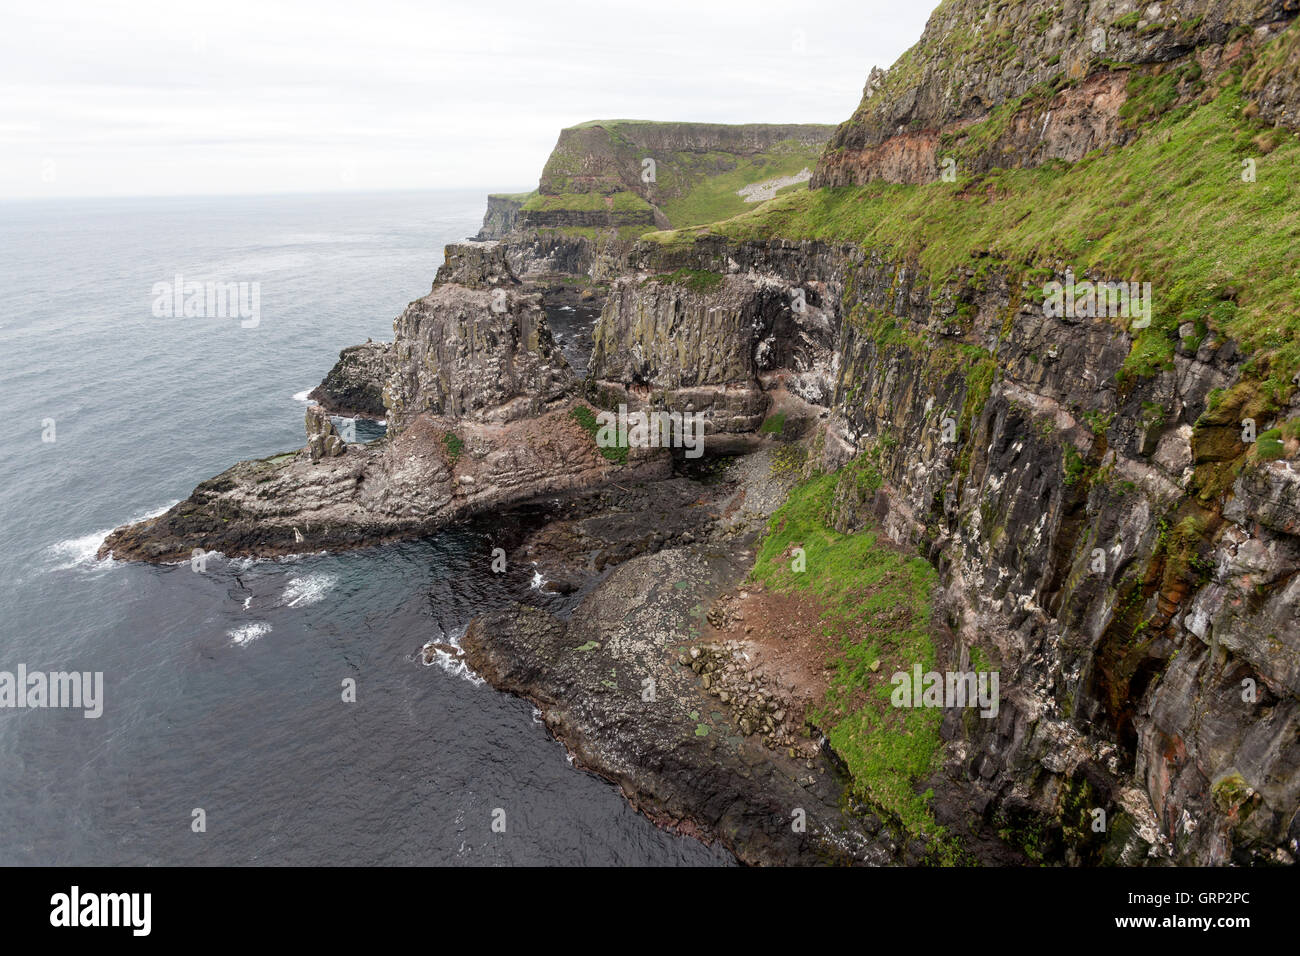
x,y
253,712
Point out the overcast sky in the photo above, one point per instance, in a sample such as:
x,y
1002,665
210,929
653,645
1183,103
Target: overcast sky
x,y
250,96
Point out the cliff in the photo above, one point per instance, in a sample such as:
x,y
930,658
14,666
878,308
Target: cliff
x,y
1016,85
607,182
483,412
1093,494
354,386
1114,508
501,215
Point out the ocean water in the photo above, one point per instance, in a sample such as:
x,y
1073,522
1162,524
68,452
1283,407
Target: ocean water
x,y
223,690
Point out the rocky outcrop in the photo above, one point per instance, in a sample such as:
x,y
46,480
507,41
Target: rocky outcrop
x,y
608,182
354,387
608,157
695,340
501,215
481,414
477,346
1020,84
323,439
435,472
1273,84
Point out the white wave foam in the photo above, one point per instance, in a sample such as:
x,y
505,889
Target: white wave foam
x,y
240,565
453,664
302,396
75,552
246,634
80,552
309,589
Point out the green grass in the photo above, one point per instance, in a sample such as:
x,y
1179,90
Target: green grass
x,y
1169,208
710,197
875,601
774,425
514,197
585,417
454,444
623,202
1075,467
690,186
697,280
1269,445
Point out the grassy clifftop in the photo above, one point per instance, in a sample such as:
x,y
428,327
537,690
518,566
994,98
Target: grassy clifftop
x,y
634,176
1204,203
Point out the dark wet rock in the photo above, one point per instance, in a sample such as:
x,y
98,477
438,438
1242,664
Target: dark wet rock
x,y
405,486
679,757
354,387
560,586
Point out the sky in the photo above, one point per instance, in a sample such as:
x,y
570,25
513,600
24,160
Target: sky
x,y
251,96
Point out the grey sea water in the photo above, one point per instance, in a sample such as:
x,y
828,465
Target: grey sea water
x,y
223,688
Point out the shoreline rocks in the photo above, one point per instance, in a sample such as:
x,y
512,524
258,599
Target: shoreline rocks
x,y
609,686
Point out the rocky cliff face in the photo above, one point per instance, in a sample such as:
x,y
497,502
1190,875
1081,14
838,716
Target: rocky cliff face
x,y
1106,538
481,410
1020,84
501,215
354,386
1273,83
693,340
609,157
477,346
1083,549
607,182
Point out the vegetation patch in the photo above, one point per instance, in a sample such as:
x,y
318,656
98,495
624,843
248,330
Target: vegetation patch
x,y
697,280
587,202
454,445
585,417
874,601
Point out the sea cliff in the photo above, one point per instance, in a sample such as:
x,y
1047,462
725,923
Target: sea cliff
x,y
950,462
